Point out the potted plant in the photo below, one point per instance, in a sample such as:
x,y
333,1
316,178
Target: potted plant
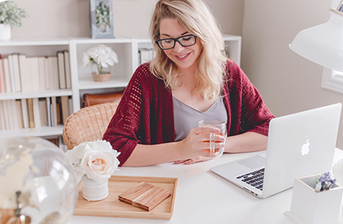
x,y
94,162
100,57
316,200
10,17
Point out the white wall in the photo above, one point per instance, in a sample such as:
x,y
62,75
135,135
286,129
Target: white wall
x,y
288,82
131,18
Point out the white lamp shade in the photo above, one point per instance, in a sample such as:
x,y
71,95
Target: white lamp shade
x,y
322,44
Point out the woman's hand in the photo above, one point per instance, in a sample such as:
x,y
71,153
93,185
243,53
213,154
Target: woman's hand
x,y
197,143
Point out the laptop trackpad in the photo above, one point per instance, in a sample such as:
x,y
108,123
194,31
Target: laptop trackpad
x,y
253,162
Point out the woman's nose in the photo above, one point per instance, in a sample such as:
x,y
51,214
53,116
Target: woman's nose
x,y
178,47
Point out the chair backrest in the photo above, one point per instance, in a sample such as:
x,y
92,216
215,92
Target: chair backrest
x,y
88,124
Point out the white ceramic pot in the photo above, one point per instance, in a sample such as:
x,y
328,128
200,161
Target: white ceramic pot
x,y
311,207
94,190
5,31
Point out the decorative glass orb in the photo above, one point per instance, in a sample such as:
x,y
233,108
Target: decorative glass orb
x,y
38,184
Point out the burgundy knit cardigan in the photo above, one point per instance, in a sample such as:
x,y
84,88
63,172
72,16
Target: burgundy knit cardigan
x,y
145,112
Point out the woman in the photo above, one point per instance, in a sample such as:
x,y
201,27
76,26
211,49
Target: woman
x,y
156,120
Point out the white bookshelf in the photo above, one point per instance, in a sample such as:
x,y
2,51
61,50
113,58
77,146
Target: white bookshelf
x,y
37,132
82,82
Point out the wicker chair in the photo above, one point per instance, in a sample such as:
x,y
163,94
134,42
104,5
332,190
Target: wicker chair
x,y
88,124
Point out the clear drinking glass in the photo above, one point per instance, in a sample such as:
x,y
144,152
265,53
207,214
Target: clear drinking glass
x,y
221,125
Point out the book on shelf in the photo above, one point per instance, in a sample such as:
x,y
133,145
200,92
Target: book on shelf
x,y
61,69
25,113
47,75
16,71
2,77
53,111
43,112
53,72
42,73
33,61
19,114
10,63
58,110
36,113
2,117
5,115
65,108
48,111
7,75
70,103
25,72
67,68
28,82
11,114
30,110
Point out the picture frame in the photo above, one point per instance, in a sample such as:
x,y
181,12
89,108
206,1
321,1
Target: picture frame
x,y
101,18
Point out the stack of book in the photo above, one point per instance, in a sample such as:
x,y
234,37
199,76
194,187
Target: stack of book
x,y
145,55
34,112
19,73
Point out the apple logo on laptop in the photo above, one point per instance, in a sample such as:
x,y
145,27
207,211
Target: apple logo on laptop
x,y
305,148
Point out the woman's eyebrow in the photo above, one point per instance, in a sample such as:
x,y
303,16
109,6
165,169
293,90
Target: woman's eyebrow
x,y
169,35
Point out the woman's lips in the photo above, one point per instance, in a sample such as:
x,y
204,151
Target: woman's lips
x,y
182,57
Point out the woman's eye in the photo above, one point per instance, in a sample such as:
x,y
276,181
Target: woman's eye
x,y
186,38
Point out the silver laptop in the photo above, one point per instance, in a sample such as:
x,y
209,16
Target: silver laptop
x,y
299,144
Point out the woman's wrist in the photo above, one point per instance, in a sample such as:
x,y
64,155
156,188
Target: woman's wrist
x,y
181,153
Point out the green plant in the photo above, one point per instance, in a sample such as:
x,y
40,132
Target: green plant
x,y
11,14
102,14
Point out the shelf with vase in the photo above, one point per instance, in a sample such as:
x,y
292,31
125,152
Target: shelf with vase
x,y
121,72
115,82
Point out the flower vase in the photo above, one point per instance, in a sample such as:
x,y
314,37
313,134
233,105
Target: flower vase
x,y
311,207
94,190
100,74
5,31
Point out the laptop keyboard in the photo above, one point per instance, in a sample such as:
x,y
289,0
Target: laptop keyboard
x,y
254,178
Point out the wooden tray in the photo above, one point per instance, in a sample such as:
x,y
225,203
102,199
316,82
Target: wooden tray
x,y
112,207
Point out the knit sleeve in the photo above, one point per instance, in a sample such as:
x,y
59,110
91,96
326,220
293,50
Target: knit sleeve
x,y
123,130
254,114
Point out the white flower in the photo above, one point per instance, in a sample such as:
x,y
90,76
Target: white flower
x,y
95,159
98,165
77,153
101,55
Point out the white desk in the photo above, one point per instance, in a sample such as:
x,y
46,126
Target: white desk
x,y
204,197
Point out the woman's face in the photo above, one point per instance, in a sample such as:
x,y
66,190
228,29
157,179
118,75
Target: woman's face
x,y
183,57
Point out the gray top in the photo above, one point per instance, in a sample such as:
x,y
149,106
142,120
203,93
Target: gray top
x,y
186,118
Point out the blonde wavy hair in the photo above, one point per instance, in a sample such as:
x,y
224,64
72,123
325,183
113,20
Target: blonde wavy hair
x,y
195,17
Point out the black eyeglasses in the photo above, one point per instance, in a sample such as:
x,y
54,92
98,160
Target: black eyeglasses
x,y
184,41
